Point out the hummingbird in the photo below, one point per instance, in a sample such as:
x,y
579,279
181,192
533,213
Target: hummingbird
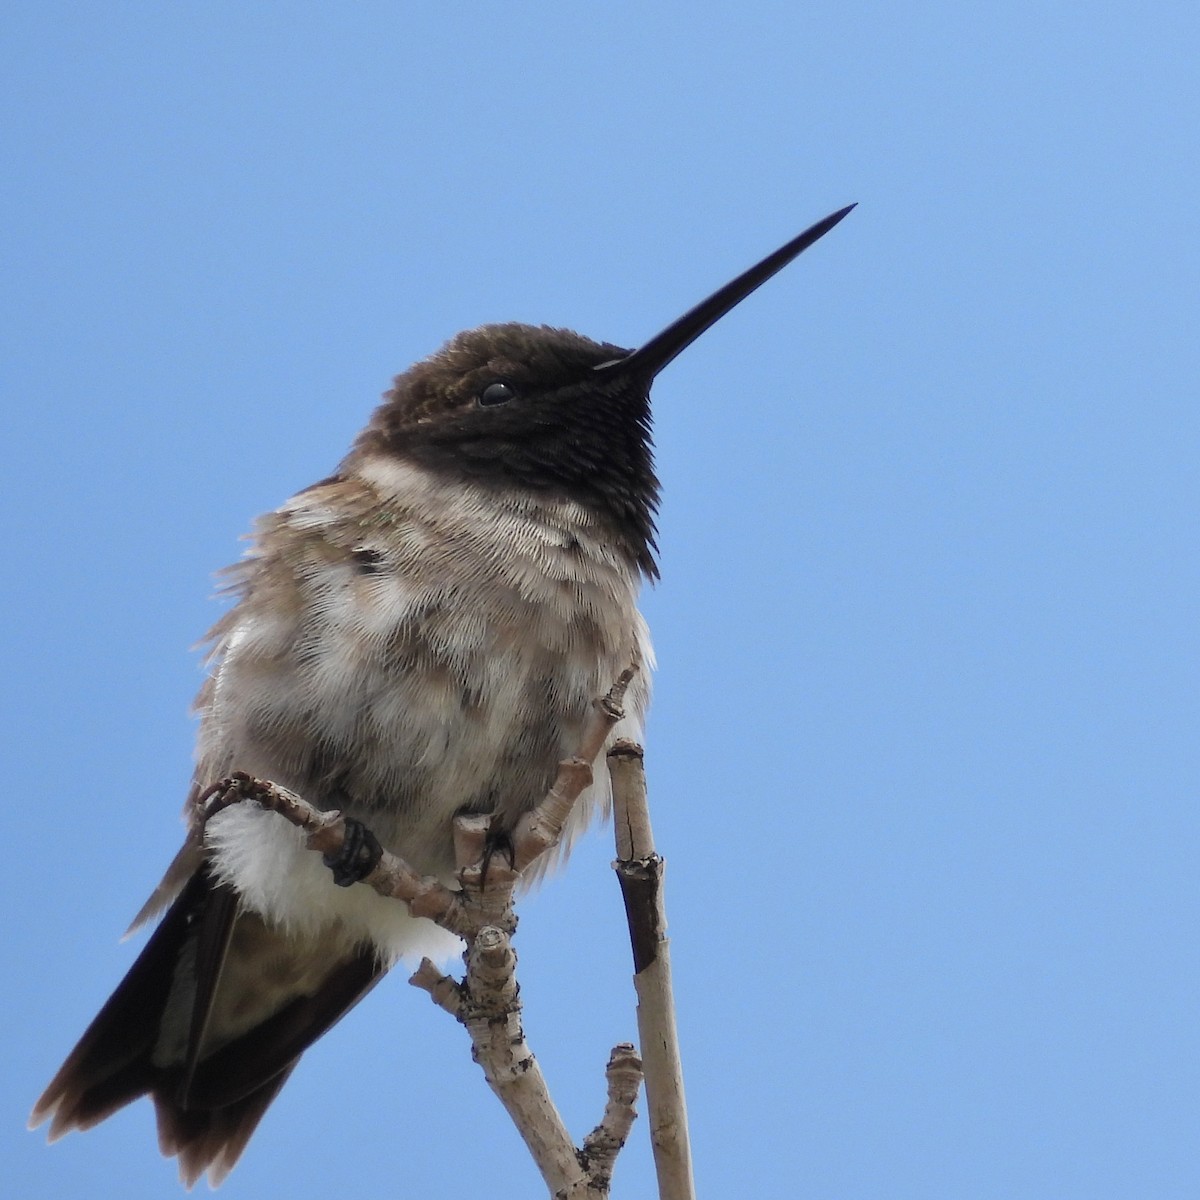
x,y
419,635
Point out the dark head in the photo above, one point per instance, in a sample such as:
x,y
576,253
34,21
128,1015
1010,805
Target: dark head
x,y
551,411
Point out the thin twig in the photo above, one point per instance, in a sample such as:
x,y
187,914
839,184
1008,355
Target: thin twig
x,y
542,829
603,1144
640,874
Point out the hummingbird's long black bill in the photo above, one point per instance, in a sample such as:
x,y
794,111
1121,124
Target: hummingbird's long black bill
x,y
664,347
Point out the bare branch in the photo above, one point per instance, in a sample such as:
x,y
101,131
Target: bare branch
x,y
444,991
640,874
602,1145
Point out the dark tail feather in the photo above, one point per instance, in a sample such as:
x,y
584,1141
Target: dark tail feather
x,y
208,1106
208,1121
111,1064
211,1139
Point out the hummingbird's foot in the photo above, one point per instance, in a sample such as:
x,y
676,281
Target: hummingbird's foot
x,y
357,857
498,844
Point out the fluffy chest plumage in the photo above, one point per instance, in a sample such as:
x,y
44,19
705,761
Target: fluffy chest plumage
x,y
405,649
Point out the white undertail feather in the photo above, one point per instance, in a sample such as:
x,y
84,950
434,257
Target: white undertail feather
x,y
277,876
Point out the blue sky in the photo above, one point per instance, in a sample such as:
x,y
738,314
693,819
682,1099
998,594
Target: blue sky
x,y
923,751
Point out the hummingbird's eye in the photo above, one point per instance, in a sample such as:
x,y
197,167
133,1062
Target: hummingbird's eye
x,y
496,393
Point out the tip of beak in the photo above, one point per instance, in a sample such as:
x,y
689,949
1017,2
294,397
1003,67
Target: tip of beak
x,y
652,356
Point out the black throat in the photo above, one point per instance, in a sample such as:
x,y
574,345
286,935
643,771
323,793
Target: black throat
x,y
567,431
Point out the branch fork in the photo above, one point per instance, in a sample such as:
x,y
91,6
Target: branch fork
x,y
486,1001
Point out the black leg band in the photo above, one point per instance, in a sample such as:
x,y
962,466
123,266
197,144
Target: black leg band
x,y
358,857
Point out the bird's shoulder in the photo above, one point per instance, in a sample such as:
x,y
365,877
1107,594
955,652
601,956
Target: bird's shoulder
x,y
323,538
